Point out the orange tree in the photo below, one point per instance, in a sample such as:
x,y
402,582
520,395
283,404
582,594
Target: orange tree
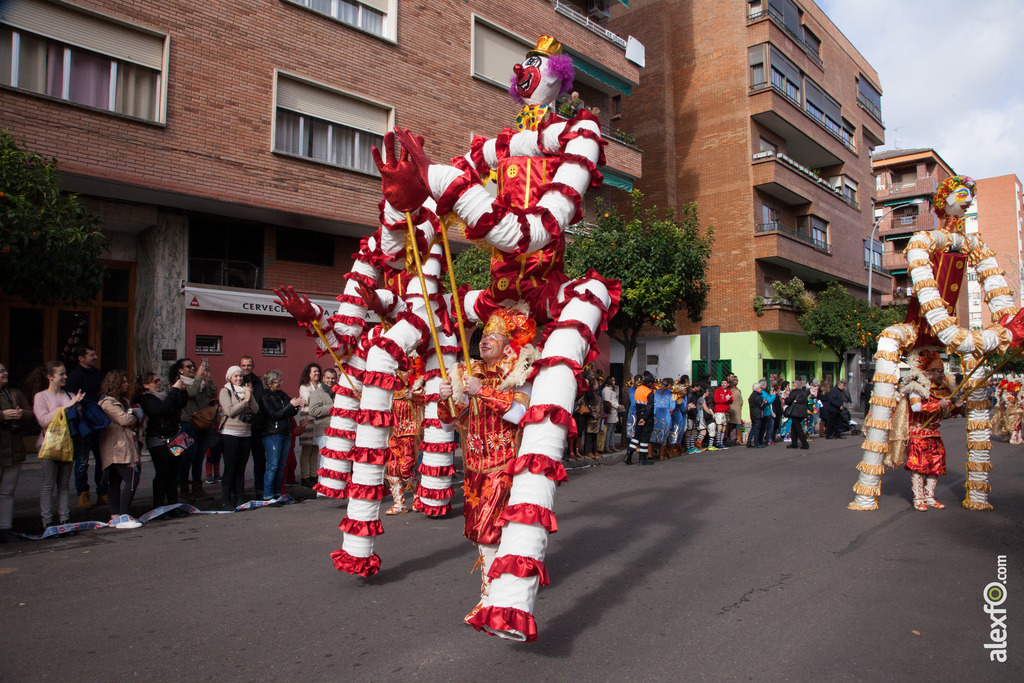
x,y
662,263
49,242
838,321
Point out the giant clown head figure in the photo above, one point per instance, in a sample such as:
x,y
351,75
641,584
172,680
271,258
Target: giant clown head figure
x,y
954,196
543,76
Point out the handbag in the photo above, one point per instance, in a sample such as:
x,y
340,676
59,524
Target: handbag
x,y
203,418
180,443
57,443
788,411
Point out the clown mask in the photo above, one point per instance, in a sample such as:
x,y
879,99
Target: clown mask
x,y
958,201
535,82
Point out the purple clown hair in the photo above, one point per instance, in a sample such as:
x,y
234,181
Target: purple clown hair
x,y
559,66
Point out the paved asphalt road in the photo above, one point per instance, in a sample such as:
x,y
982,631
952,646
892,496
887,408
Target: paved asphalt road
x,y
737,565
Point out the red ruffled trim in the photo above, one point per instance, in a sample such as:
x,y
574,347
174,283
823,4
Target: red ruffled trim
x,y
350,413
538,463
476,153
576,368
392,348
579,326
429,447
432,421
340,433
333,454
570,193
360,566
376,418
359,277
346,320
368,491
455,189
329,492
431,510
384,380
432,471
505,620
370,456
529,513
351,299
359,528
331,474
434,494
519,565
558,415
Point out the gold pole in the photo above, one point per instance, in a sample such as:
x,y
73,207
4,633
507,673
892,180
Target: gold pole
x,y
426,302
337,361
981,363
455,294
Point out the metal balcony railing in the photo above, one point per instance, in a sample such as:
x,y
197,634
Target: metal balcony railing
x,y
583,20
800,168
870,108
778,227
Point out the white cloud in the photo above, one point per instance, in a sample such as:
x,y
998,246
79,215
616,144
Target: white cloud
x,y
951,75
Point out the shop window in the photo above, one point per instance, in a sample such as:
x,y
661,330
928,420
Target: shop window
x,y
273,347
208,343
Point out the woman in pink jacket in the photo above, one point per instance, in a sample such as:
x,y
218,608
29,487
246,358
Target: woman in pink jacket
x,y
45,405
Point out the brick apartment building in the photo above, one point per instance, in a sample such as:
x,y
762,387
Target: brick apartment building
x,y
998,214
905,180
764,114
225,146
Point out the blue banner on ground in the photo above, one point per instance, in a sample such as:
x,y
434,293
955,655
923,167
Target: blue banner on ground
x,y
64,529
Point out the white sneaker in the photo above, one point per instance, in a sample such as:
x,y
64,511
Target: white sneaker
x,y
130,524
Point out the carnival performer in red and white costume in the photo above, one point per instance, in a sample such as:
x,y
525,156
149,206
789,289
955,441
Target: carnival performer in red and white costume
x,y
405,436
490,399
543,170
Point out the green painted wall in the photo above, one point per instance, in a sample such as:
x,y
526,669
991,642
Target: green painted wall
x,y
748,350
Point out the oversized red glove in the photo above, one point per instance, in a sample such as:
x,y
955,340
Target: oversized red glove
x,y
403,181
1015,327
297,304
372,300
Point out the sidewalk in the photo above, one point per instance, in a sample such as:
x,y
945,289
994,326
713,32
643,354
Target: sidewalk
x,y
26,496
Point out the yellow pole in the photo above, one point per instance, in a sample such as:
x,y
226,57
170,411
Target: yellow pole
x,y
455,294
337,361
426,302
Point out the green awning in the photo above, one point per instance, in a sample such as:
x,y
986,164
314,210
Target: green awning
x,y
603,76
615,180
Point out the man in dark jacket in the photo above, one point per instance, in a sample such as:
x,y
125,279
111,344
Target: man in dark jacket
x,y
798,400
259,453
755,404
87,378
835,401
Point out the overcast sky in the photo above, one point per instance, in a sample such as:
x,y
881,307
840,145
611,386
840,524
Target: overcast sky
x,y
952,76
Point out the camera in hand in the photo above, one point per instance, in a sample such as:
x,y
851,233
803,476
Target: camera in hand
x,y
248,417
12,426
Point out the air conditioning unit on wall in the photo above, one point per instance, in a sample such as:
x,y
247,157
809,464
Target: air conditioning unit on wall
x,y
597,9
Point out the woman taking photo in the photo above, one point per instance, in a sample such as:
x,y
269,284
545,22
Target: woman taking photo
x,y
119,450
16,414
238,407
45,405
163,422
278,410
309,383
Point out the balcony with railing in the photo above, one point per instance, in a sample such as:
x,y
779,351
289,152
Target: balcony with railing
x,y
899,190
810,49
899,225
894,261
768,178
870,108
567,10
779,228
621,152
823,122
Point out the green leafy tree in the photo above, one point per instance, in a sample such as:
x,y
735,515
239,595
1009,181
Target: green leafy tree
x,y
49,242
662,264
473,268
838,321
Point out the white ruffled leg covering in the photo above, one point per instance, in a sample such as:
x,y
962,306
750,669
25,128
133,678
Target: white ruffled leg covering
x,y
508,609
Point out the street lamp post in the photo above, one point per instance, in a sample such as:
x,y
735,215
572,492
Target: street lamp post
x,y
871,259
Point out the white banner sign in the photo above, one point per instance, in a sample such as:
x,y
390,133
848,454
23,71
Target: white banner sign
x,y
246,302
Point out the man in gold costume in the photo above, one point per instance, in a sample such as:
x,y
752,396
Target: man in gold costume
x,y
490,399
